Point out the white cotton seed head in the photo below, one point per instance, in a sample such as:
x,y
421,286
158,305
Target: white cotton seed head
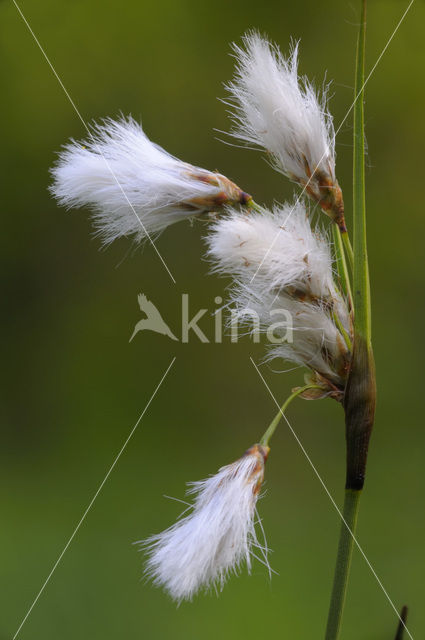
x,y
275,109
283,273
279,111
303,333
133,186
201,549
278,247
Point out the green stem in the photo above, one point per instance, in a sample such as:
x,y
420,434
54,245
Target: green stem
x,y
342,330
343,561
254,205
360,391
272,428
341,264
361,287
348,248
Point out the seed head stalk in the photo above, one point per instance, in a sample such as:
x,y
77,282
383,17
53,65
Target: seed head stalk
x,y
341,264
348,248
265,440
360,392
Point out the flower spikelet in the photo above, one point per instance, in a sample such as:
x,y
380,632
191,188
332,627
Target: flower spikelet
x,y
280,263
133,186
201,549
275,109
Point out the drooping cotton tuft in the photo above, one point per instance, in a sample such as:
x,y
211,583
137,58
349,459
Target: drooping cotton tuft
x,y
201,549
283,273
300,332
275,109
134,187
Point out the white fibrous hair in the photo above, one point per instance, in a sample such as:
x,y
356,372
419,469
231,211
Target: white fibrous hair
x,y
300,332
134,187
275,109
279,263
200,550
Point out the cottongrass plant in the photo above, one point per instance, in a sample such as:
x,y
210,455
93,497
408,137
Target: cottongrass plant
x,y
201,549
277,260
276,110
133,186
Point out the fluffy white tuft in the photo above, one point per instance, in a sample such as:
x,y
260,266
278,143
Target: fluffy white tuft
x,y
278,247
280,112
302,333
201,549
133,186
279,262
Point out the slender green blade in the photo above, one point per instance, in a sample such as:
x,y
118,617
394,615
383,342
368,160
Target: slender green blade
x,y
341,264
361,288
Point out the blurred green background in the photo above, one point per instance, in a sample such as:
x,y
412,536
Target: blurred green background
x,y
73,387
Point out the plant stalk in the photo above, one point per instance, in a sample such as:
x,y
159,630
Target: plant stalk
x,y
343,561
402,624
361,287
360,391
272,427
348,248
341,264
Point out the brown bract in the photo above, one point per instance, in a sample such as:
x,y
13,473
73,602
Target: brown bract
x,y
229,194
